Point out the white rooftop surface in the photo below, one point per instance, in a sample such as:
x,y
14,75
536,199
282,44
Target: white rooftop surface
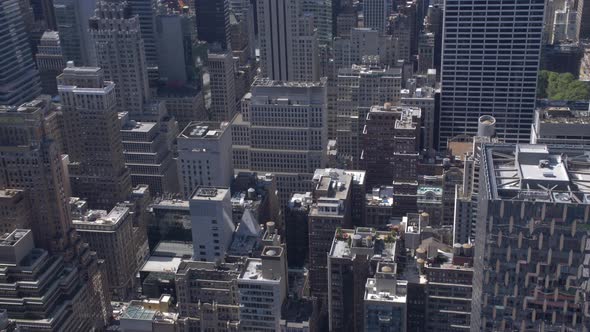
x,y
371,293
209,193
253,271
162,264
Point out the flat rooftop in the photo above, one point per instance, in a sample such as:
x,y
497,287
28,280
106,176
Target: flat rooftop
x,y
141,127
102,217
563,115
174,249
138,312
161,264
538,172
204,130
363,240
209,193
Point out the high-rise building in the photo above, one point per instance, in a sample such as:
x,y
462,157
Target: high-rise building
x,y
72,24
297,229
148,156
496,74
359,88
31,159
109,234
211,219
385,301
288,41
583,11
375,14
120,53
262,288
207,296
222,82
14,209
50,61
83,305
146,11
43,12
391,144
19,79
261,142
561,125
350,263
92,137
532,224
213,23
322,18
204,156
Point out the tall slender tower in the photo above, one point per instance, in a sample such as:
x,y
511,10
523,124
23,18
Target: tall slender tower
x,y
72,24
92,137
19,80
213,23
491,57
120,53
288,41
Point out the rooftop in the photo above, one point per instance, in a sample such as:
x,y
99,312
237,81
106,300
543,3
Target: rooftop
x,y
174,249
563,115
161,264
538,172
101,217
142,127
139,312
265,82
209,193
348,243
204,130
380,196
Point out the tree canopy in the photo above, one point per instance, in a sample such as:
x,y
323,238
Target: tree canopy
x,y
556,86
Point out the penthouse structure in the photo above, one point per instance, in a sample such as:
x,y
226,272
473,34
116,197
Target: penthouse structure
x,y
561,125
282,130
204,156
532,224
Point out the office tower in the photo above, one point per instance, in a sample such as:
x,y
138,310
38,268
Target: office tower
x,y
19,79
359,88
583,11
31,160
50,62
470,152
146,11
449,290
207,296
288,41
561,125
331,208
261,143
204,156
211,219
497,74
72,24
244,11
184,103
120,53
262,288
48,277
533,221
109,234
148,156
213,23
424,96
14,209
426,53
400,27
351,257
385,302
92,138
433,23
375,14
322,18
43,12
222,83
346,21
391,144
297,229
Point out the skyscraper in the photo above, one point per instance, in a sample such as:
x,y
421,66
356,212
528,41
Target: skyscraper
x,y
92,137
146,10
222,82
375,14
288,41
491,58
531,239
19,80
72,24
50,61
120,53
213,23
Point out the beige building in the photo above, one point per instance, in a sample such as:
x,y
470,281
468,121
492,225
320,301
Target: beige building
x,y
93,141
282,130
222,81
109,234
14,210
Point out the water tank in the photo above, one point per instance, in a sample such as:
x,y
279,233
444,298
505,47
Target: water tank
x,y
251,193
357,240
421,253
457,249
468,250
486,126
270,227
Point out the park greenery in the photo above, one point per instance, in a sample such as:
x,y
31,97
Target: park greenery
x,y
556,86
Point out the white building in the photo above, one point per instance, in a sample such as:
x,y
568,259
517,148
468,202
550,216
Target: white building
x,y
222,82
490,69
262,290
204,156
288,41
385,300
282,130
211,221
